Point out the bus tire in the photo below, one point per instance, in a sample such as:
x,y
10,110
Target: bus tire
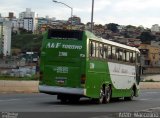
x,y
101,97
107,94
130,98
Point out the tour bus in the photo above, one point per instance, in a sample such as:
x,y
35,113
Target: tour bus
x,y
75,64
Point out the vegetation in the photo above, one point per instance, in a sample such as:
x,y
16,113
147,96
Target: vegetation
x,y
27,42
146,37
112,27
150,80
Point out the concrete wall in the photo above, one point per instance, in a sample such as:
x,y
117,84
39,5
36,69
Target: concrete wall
x,y
18,86
150,85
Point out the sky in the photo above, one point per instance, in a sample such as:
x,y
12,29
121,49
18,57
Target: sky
x,y
122,12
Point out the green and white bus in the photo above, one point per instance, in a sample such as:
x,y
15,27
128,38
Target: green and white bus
x,y
75,64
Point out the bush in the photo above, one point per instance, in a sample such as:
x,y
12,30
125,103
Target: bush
x,y
150,80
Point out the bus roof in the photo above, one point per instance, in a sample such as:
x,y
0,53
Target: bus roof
x,y
92,36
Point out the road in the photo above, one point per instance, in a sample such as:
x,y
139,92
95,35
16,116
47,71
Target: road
x,y
149,100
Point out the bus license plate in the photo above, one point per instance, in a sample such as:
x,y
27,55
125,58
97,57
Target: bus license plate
x,y
60,81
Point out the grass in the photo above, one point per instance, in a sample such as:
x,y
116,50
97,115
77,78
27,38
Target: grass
x,y
6,77
150,80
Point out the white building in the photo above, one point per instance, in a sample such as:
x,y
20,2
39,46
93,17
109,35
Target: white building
x,y
5,36
28,19
155,28
28,24
27,14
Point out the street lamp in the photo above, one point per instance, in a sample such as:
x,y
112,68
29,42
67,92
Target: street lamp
x,y
66,6
92,16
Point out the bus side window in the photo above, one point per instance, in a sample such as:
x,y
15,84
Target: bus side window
x,y
117,53
127,56
97,49
124,55
105,51
91,48
134,57
109,52
120,54
113,52
131,57
101,51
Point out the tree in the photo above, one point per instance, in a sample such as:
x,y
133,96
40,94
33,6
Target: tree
x,y
27,42
112,27
146,37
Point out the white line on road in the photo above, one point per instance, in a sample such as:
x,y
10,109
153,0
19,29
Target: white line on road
x,y
9,100
151,92
148,110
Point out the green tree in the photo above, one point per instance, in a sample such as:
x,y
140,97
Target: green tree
x,y
112,27
146,37
27,42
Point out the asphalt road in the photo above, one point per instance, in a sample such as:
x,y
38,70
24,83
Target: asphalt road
x,y
148,101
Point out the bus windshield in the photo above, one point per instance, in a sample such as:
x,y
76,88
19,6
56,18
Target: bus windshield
x,y
65,34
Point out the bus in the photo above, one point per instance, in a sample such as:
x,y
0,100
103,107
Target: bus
x,y
75,64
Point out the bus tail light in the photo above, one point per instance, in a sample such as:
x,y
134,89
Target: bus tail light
x,y
41,75
83,78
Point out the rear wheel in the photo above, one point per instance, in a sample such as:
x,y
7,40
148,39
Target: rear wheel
x,y
100,99
107,95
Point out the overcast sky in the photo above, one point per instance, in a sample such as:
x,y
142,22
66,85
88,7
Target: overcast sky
x,y
123,12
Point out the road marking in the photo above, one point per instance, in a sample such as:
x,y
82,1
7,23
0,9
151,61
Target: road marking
x,y
9,100
149,109
152,92
145,99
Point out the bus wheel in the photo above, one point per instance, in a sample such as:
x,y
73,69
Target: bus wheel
x,y
101,97
131,97
107,95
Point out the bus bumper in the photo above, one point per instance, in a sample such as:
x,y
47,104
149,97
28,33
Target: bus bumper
x,y
61,90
